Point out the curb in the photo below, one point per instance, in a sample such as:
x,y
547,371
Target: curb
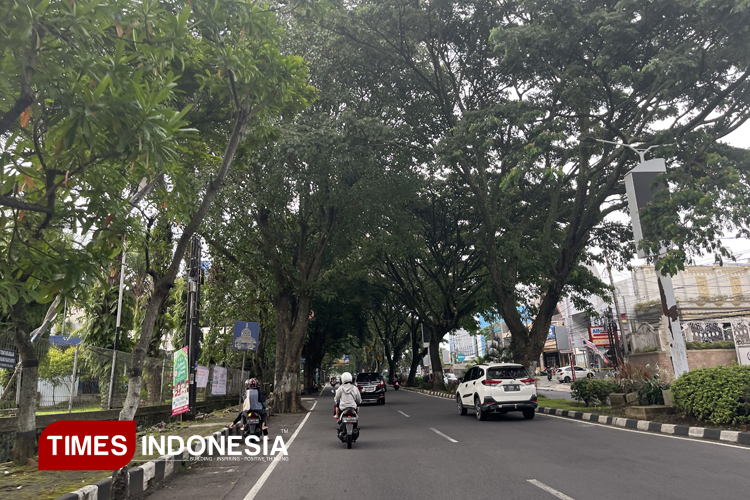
x,y
734,437
429,393
141,478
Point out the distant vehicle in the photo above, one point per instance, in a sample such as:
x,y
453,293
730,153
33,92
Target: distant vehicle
x,y
564,374
449,378
371,387
497,387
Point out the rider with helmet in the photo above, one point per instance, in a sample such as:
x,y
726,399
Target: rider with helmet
x,y
254,400
347,395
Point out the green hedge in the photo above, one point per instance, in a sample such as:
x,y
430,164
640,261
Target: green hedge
x,y
593,390
719,344
720,395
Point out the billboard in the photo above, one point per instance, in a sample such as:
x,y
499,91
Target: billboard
x,y
598,336
180,398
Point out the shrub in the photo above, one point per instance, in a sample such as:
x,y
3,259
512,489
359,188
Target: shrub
x,y
649,392
593,390
719,344
718,395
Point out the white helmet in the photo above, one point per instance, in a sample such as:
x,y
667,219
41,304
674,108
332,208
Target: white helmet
x,y
346,378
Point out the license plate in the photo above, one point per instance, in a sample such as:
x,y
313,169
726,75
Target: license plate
x,y
254,421
510,388
369,389
350,420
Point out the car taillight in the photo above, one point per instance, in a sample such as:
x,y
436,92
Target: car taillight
x,y
527,380
492,382
380,386
359,387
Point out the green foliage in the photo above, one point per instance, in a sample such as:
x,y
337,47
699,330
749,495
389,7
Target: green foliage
x,y
593,390
719,344
718,395
57,364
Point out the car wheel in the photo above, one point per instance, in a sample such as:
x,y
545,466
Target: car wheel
x,y
381,402
528,414
481,415
567,379
460,405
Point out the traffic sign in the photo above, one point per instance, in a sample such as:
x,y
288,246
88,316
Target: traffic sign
x,y
312,315
369,348
380,358
460,357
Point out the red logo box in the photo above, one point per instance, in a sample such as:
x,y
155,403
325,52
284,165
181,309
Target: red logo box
x,y
87,445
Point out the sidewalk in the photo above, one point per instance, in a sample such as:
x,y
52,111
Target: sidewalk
x,y
546,385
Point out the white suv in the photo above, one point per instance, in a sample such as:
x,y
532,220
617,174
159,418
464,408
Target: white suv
x,y
498,387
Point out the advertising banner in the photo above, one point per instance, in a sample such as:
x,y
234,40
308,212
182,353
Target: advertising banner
x,y
180,398
742,341
201,377
8,359
598,336
219,387
246,335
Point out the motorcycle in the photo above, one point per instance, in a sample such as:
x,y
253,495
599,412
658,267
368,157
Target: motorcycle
x,y
395,385
348,431
252,426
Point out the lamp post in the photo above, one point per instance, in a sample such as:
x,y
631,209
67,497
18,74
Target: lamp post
x,y
639,191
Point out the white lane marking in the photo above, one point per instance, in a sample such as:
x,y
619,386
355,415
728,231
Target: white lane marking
x,y
254,491
441,434
658,434
402,413
560,495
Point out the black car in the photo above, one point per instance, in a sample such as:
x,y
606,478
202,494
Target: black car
x,y
371,387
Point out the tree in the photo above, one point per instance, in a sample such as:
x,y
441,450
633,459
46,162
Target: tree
x,y
260,84
57,365
440,275
515,85
85,116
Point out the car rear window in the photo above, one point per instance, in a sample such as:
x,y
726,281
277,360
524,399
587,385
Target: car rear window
x,y
368,377
507,372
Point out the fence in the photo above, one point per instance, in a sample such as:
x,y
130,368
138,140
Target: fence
x,y
74,376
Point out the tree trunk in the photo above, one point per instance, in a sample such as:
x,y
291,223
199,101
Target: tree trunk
x,y
25,443
162,287
291,325
436,366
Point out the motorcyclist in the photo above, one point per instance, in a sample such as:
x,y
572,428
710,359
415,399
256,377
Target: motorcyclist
x,y
255,401
347,395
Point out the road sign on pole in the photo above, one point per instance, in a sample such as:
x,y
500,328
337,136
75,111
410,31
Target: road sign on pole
x,y
246,334
460,357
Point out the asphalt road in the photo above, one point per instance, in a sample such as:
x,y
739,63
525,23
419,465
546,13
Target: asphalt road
x,y
418,446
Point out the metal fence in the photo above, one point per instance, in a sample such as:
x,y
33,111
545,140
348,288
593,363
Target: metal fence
x,y
74,376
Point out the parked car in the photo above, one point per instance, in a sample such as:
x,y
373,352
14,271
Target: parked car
x,y
497,387
449,378
564,374
371,387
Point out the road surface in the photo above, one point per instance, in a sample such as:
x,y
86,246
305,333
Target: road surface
x,y
418,446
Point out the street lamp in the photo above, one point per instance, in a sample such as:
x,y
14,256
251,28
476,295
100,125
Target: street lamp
x,y
638,184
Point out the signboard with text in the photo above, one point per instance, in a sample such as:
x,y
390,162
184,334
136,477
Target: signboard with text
x,y
201,377
180,398
598,336
8,359
219,386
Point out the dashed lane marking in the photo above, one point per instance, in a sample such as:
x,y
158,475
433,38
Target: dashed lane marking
x,y
441,434
402,413
548,489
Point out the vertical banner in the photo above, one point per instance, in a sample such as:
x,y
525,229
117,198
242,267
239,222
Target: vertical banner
x,y
219,387
741,331
180,398
201,377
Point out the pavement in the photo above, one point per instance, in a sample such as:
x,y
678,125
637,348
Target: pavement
x,y
418,446
553,388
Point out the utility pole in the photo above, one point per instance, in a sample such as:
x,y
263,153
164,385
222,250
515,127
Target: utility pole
x,y
614,296
192,325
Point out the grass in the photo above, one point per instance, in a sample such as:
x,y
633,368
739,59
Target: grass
x,y
28,483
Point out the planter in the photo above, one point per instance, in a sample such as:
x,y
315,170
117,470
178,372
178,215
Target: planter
x,y
667,394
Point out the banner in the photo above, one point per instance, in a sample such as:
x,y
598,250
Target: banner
x,y
591,346
219,387
180,397
598,336
201,377
246,335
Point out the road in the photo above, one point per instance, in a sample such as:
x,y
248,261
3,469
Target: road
x,y
417,446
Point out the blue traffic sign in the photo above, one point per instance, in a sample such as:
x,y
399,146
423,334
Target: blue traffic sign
x,y
246,334
460,357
